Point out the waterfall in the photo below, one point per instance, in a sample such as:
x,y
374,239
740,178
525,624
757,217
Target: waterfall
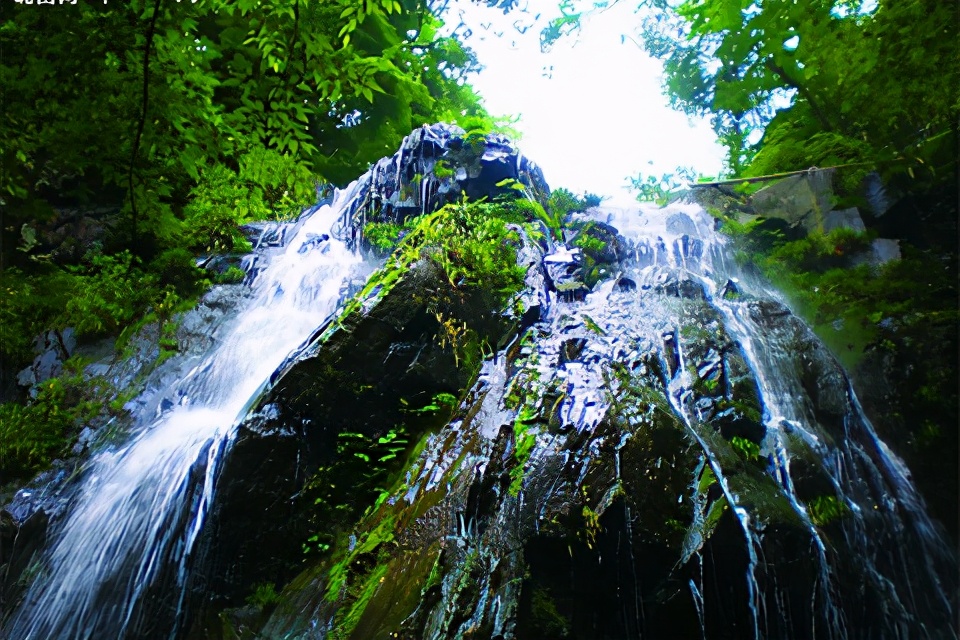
x,y
717,453
900,555
143,504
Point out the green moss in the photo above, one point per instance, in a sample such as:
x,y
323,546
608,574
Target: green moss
x,y
545,619
368,543
747,449
763,496
826,509
233,275
264,595
714,513
435,578
524,442
589,243
592,325
364,593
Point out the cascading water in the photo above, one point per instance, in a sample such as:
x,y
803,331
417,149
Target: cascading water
x,y
906,568
142,504
663,450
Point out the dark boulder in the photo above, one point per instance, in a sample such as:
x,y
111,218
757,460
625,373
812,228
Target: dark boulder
x,y
286,474
436,165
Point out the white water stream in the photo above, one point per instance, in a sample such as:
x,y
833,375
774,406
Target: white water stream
x,y
662,239
143,504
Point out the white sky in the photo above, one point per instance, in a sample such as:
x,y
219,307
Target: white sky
x,y
592,109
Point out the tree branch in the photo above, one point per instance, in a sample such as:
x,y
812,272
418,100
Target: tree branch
x,y
151,29
805,93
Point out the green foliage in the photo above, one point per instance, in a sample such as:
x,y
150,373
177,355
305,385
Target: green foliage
x,y
707,479
234,104
355,477
824,82
442,170
232,275
563,202
102,296
284,185
591,523
32,435
28,305
664,188
546,619
717,507
826,509
521,210
589,243
524,442
784,146
107,294
473,245
753,237
385,236
439,402
264,595
382,236
219,205
818,250
747,449
176,268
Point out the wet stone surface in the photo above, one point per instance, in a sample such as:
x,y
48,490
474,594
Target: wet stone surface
x,y
621,468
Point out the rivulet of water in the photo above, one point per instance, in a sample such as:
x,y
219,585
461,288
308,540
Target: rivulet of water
x,y
907,570
143,504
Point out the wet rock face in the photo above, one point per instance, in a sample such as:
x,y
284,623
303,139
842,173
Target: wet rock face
x,y
368,378
27,512
614,472
434,166
20,541
649,448
52,348
72,233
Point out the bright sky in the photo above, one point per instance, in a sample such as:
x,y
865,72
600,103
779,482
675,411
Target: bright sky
x,y
592,109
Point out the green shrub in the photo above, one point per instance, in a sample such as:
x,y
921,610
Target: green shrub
x,y
219,204
473,245
106,294
519,210
818,251
233,275
589,243
283,185
177,267
562,202
382,236
32,435
28,304
264,595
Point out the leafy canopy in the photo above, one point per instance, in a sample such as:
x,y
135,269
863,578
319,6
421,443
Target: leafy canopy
x,y
792,84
